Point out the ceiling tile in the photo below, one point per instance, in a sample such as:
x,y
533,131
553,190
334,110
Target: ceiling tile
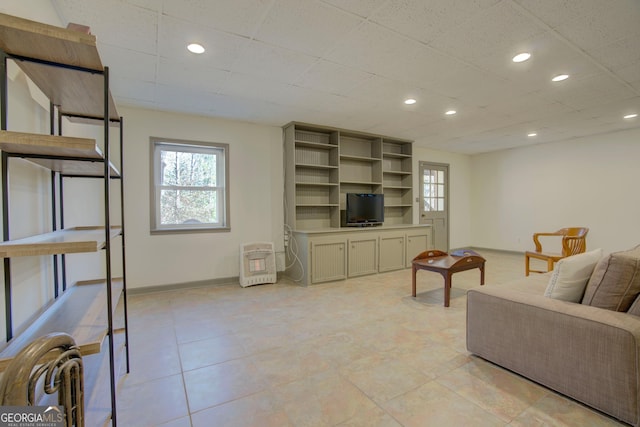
x,y
307,26
135,28
125,62
424,20
486,32
598,24
362,8
132,91
222,49
272,63
240,17
333,78
375,49
207,79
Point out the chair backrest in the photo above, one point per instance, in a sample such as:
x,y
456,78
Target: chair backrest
x,y
574,240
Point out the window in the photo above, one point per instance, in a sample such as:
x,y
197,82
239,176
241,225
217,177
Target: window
x,y
434,196
189,186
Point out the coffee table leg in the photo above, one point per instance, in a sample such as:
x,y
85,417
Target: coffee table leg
x,y
413,280
447,288
482,274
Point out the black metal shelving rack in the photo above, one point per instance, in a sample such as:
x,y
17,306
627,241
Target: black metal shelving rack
x,y
57,199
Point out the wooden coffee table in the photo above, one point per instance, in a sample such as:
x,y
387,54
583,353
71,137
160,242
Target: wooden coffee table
x,y
446,265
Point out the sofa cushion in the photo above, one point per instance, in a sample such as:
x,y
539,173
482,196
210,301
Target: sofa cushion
x,y
615,282
570,276
635,307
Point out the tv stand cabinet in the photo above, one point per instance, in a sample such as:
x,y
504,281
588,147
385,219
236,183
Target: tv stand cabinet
x,y
338,253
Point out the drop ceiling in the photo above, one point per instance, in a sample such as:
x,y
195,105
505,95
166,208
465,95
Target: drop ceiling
x,y
352,63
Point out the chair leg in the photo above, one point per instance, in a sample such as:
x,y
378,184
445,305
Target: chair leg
x,y
526,265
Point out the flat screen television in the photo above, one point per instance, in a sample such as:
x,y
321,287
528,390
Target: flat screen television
x,y
364,209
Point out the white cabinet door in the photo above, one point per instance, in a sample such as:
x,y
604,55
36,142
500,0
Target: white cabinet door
x,y
392,253
328,260
363,256
417,242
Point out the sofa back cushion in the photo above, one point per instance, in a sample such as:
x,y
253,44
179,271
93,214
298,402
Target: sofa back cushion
x,y
570,276
635,307
615,282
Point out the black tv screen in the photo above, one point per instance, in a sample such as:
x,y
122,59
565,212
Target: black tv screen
x,y
364,209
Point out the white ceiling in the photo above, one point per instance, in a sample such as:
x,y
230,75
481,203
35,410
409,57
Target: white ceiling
x,y
351,63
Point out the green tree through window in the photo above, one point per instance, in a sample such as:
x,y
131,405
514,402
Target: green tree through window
x,y
189,185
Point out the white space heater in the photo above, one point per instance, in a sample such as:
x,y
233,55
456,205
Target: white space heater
x,y
257,264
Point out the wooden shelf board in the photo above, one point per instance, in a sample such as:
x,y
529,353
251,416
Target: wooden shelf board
x,y
73,240
318,184
396,187
63,147
361,182
315,145
48,145
314,166
75,167
358,158
80,312
401,205
70,89
396,155
316,205
397,172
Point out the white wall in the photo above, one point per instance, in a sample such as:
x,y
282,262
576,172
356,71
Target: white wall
x,y
459,191
256,185
591,182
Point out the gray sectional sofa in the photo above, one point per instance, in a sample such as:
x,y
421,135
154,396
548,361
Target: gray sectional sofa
x,y
579,349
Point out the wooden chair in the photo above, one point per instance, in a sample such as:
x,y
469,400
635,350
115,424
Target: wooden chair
x,y
574,241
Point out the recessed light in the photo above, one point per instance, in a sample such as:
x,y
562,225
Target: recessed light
x,y
196,48
451,112
560,77
532,134
410,101
630,116
521,57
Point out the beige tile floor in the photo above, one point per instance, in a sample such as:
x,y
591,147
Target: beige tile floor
x,y
360,352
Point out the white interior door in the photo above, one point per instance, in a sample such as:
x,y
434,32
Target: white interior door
x,y
434,201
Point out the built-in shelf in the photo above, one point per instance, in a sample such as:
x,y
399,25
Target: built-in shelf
x,y
73,240
358,158
315,166
64,86
396,187
361,182
323,164
397,172
317,184
320,145
396,155
79,312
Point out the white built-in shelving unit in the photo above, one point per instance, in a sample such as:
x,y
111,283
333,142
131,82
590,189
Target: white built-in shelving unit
x,y
322,165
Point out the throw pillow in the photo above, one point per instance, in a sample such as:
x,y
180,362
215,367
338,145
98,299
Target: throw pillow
x,y
615,282
570,276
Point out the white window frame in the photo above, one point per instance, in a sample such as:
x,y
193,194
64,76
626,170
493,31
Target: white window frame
x,y
221,151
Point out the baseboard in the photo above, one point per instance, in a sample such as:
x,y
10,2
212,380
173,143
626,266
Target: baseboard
x,y
224,281
502,251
